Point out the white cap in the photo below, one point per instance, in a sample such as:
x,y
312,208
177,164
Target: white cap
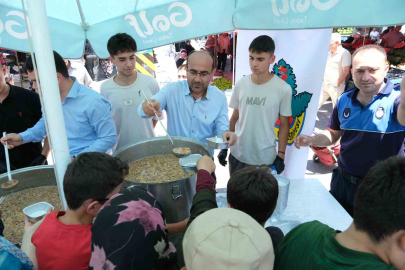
x,y
225,238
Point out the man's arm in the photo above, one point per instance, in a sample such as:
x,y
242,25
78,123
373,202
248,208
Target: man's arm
x,y
159,102
234,119
99,115
283,135
179,227
326,138
35,134
46,148
401,106
41,159
204,199
343,76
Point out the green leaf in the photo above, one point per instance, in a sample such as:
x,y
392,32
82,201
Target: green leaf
x,y
299,103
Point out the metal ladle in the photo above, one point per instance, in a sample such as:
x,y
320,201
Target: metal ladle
x,y
167,133
10,184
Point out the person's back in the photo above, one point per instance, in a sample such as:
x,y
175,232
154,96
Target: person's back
x,y
255,191
61,245
313,246
375,240
63,239
88,120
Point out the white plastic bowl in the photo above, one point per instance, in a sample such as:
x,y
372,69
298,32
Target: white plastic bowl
x,y
37,210
217,143
190,161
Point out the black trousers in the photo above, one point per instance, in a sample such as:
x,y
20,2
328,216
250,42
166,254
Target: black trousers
x,y
235,165
343,190
92,65
222,60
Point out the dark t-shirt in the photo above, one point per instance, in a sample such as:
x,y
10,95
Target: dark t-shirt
x,y
276,235
20,110
312,245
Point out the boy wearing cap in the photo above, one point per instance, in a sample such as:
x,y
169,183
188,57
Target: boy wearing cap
x,y
218,238
254,191
375,240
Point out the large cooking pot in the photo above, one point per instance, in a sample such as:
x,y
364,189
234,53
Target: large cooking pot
x,y
30,177
175,197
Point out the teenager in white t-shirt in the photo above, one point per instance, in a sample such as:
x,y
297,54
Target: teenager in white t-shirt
x,y
123,91
258,100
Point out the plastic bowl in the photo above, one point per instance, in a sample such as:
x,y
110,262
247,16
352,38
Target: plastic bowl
x,y
190,161
217,143
37,210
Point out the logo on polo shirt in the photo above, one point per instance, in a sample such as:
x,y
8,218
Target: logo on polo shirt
x,y
346,113
379,113
128,102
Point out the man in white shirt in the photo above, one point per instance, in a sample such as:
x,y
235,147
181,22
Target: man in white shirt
x,y
78,71
258,100
124,92
337,69
374,35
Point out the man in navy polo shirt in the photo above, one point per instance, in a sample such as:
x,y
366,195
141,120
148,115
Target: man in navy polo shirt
x,y
369,121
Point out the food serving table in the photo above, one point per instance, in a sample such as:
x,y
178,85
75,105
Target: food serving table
x,y
308,200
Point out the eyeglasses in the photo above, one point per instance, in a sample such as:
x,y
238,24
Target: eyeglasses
x,y
203,74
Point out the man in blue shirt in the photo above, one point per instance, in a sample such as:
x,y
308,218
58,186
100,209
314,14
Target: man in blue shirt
x,y
87,115
194,108
369,121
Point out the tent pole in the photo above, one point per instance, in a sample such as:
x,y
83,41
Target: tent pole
x,y
50,89
84,24
233,58
19,70
215,53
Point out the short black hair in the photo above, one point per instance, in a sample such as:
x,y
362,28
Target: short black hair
x,y
92,175
205,52
253,191
379,207
378,48
121,43
263,44
59,64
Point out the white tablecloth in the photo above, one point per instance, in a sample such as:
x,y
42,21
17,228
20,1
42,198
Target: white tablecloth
x,y
308,200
